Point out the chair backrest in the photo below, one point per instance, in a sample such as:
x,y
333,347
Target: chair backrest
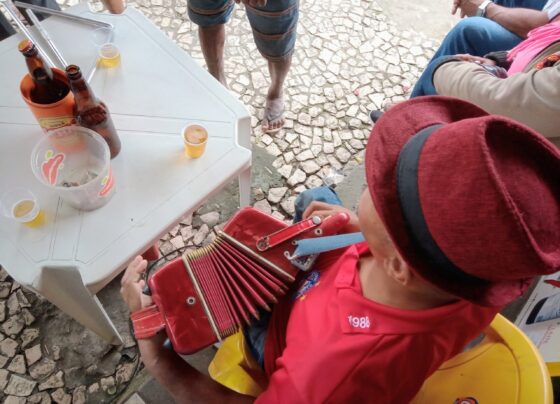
x,y
505,367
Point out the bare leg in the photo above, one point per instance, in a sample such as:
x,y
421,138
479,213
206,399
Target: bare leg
x,y
212,40
274,109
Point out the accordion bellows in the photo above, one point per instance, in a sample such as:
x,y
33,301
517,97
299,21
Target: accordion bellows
x,y
208,294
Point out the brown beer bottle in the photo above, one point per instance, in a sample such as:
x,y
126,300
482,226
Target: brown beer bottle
x,y
91,112
47,89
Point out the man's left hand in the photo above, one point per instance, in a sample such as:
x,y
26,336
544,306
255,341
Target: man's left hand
x,y
132,285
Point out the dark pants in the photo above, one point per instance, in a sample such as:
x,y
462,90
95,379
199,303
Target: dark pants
x,y
6,28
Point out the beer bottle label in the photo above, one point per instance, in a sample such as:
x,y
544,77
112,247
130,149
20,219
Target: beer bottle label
x,y
56,122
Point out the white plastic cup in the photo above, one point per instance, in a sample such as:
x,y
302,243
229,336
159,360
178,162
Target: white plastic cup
x,y
75,163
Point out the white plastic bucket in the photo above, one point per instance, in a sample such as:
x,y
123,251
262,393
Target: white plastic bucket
x,y
75,162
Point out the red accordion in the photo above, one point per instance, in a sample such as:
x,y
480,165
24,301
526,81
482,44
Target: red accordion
x,y
209,293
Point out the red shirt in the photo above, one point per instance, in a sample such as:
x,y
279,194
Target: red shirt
x,y
342,347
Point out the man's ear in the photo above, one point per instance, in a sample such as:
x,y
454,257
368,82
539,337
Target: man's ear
x,y
398,270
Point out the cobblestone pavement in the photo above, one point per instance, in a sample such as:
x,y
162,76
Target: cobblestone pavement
x,y
349,59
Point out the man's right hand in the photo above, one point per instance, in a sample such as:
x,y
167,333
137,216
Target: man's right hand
x,y
468,7
455,6
324,210
476,59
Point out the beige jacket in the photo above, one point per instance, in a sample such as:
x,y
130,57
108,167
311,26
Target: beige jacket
x,y
531,97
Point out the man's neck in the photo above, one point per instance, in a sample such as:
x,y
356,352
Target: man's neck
x,y
378,286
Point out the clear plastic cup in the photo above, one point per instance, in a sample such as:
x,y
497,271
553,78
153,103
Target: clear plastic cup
x,y
108,53
75,163
21,205
96,6
102,35
109,56
195,138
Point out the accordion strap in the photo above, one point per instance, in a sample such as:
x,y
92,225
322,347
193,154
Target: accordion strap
x,y
322,244
287,233
147,322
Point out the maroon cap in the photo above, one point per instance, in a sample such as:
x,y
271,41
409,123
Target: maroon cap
x,y
471,200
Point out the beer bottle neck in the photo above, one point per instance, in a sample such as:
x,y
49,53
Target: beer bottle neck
x,y
38,69
83,95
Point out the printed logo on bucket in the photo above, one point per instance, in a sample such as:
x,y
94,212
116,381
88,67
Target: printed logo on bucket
x,y
107,183
51,166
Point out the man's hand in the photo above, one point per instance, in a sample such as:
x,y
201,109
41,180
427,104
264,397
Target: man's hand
x,y
253,3
468,7
487,64
114,6
132,285
323,210
476,59
455,6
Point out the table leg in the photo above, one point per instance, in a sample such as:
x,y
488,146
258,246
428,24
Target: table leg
x,y
245,188
63,287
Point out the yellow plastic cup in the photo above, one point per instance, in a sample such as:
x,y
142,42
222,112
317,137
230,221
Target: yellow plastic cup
x,y
195,138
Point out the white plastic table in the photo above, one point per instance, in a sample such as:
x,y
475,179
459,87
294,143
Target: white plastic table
x,y
156,91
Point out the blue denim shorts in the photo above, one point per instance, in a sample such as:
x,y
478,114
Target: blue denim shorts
x,y
274,25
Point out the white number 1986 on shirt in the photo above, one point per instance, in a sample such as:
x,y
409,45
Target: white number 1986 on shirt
x,y
359,322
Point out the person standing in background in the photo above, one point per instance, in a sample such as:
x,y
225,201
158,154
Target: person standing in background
x,y
274,31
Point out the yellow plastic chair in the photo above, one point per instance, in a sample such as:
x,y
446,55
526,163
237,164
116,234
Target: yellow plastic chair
x,y
234,367
505,367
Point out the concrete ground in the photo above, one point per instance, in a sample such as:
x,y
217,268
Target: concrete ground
x,y
430,17
351,56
